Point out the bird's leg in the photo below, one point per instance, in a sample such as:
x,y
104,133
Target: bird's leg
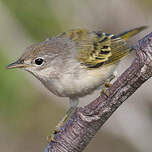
x,y
73,104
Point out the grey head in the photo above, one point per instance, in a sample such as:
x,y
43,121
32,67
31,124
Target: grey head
x,y
45,58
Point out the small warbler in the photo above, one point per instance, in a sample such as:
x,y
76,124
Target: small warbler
x,y
77,62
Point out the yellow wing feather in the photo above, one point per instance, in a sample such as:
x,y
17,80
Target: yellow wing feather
x,y
97,48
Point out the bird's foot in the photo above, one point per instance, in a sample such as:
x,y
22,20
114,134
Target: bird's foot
x,y
106,86
51,137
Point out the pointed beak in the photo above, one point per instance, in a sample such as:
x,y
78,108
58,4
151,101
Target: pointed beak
x,y
17,64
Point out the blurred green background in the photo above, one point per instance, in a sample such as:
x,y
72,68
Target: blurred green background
x,y
28,112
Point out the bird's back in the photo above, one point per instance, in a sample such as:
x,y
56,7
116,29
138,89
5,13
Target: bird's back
x,y
96,49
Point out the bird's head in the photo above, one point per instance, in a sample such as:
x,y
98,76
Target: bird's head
x,y
43,58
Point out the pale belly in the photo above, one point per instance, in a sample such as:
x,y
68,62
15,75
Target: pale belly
x,y
78,85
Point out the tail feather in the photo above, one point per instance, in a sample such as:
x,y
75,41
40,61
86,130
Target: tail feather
x,y
126,35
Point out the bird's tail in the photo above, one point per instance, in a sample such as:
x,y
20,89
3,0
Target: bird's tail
x,y
126,35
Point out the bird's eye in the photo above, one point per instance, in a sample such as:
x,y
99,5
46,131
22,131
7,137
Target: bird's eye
x,y
39,61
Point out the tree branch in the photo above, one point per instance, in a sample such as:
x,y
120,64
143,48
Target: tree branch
x,y
86,121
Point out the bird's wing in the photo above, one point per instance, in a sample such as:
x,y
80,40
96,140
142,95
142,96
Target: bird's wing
x,y
96,49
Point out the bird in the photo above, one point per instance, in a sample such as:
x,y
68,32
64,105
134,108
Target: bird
x,y
75,63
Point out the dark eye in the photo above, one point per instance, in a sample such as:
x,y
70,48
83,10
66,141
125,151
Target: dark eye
x,y
39,61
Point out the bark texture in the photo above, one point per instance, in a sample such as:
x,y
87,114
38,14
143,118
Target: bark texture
x,y
86,121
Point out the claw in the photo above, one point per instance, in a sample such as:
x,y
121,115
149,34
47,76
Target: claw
x,y
51,138
106,86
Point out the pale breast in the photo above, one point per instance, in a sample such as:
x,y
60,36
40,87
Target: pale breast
x,y
81,83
